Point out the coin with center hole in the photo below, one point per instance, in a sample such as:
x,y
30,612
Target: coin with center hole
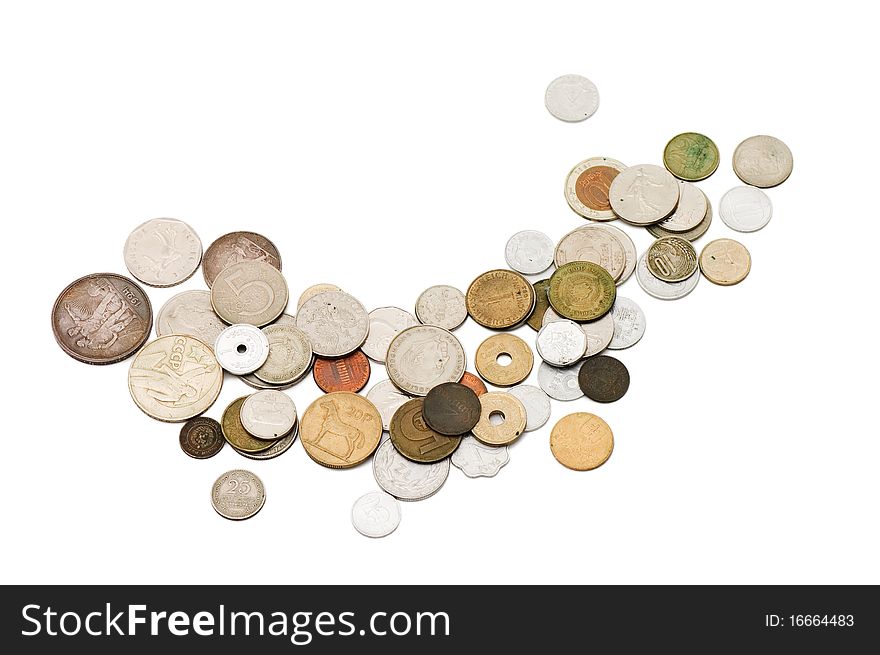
x,y
672,259
268,414
349,373
529,252
504,360
238,495
603,378
502,419
581,441
234,432
201,437
414,438
561,343
241,348
451,409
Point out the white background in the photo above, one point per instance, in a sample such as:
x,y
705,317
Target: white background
x,y
389,147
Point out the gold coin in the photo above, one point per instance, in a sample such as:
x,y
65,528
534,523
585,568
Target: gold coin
x,y
340,429
236,435
500,299
498,348
725,262
506,407
542,302
581,441
581,291
413,437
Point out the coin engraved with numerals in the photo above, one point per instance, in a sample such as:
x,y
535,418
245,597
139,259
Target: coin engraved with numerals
x,y
349,373
190,313
587,185
238,495
237,247
405,479
451,409
335,322
644,194
495,350
510,423
441,305
762,161
691,156
672,259
571,98
657,288
529,252
163,252
385,324
560,383
375,514
249,292
414,438
477,460
500,299
421,357
313,291
340,429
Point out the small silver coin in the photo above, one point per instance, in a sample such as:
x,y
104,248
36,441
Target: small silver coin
x,y
745,209
405,479
163,252
335,322
561,343
571,98
560,383
441,305
375,514
691,210
280,446
644,194
238,495
536,402
268,414
190,313
660,289
629,323
599,333
762,161
385,323
241,348
477,460
387,398
529,252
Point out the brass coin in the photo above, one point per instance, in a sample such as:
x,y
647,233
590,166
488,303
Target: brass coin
x,y
542,302
725,262
451,408
582,291
581,441
236,435
414,439
500,347
500,299
511,412
691,156
671,259
340,429
201,437
474,383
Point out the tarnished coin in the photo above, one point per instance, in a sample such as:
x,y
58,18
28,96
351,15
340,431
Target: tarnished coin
x,y
502,419
660,289
405,479
349,373
603,378
500,299
542,302
762,161
441,305
340,429
290,354
692,234
238,495
102,318
163,252
587,185
629,250
725,262
249,292
691,156
671,259
385,324
477,460
413,437
581,441
746,209
190,313
473,383
599,332
241,348
237,247
313,291
692,207
335,322
387,398
644,194
278,447
201,437
268,414
581,291
629,323
174,378
536,402
375,514
561,343
504,360
593,243
571,98
421,357
529,252
451,409
560,383
234,432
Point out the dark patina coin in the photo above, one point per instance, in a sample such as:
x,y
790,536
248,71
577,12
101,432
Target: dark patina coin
x,y
414,439
451,408
201,437
603,379
542,302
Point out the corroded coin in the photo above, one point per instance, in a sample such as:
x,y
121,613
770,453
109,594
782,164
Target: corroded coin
x,y
241,348
581,441
691,156
477,460
238,495
746,209
692,207
692,234
529,252
385,324
587,185
290,355
405,479
313,291
603,378
375,514
593,243
500,299
660,289
340,429
504,360
278,447
387,398
441,305
414,438
201,437
536,402
421,357
162,252
561,343
581,291
451,409
725,262
599,332
502,419
249,292
571,98
629,323
542,302
335,322
671,259
234,431
349,373
268,414
474,383
190,313
762,161
237,247
102,318
644,194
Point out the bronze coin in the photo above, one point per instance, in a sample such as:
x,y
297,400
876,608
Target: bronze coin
x,y
102,318
201,437
349,373
237,247
451,409
603,378
500,299
474,383
414,439
542,302
592,187
581,291
492,353
236,435
581,441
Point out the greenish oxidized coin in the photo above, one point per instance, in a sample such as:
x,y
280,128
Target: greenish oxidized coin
x,y
542,302
582,291
691,156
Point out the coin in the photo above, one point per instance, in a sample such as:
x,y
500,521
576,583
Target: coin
x,y
441,305
421,357
268,414
660,289
451,409
241,348
340,429
691,156
235,433
278,447
414,439
238,495
102,318
162,252
603,378
201,437
629,251
599,332
405,479
249,292
174,378
725,262
542,302
745,209
349,373
375,514
492,355
510,419
586,187
560,383
644,194
671,259
335,322
290,354
571,98
536,403
561,343
690,235
691,210
477,460
313,291
581,441
237,247
500,299
385,324
592,243
581,291
387,398
529,252
190,313
629,323
762,161
474,383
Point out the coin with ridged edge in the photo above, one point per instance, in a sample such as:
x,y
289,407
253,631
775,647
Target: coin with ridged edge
x,y
335,322
762,161
201,437
252,292
500,299
582,291
163,252
671,259
238,495
290,354
349,373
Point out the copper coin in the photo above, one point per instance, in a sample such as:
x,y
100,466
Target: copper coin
x,y
581,441
504,360
542,302
451,409
500,299
349,373
237,247
474,383
414,439
201,437
102,318
603,378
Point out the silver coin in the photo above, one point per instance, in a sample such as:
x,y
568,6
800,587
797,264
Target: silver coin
x,y
592,243
280,446
536,402
238,495
571,98
660,289
629,250
190,313
560,383
284,319
290,355
529,252
250,291
745,209
690,235
691,210
561,343
335,322
629,323
387,398
375,514
441,305
477,460
385,323
644,194
762,161
241,348
253,381
578,202
163,252
421,357
405,479
313,291
268,414
599,332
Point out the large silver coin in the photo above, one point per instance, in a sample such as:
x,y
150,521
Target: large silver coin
x,y
268,414
190,313
629,250
691,210
421,357
477,460
529,252
385,323
163,252
762,161
387,398
441,305
586,187
660,289
335,322
405,479
375,514
238,495
644,194
290,354
745,209
561,343
250,291
571,98
313,291
241,348
629,323
592,243
536,402
599,333
280,446
690,235
560,383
